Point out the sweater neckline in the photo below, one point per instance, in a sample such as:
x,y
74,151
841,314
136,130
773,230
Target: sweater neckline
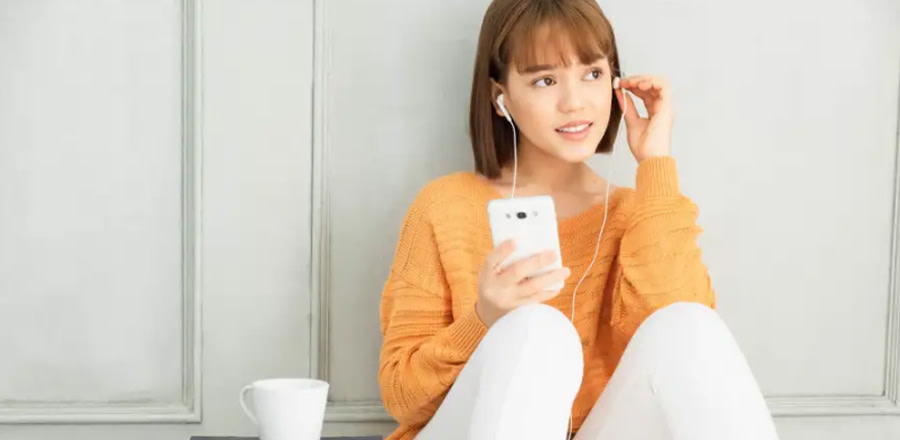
x,y
586,221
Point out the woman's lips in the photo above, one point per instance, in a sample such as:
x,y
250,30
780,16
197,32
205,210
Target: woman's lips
x,y
575,131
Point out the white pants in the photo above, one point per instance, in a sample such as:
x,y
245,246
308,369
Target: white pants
x,y
681,377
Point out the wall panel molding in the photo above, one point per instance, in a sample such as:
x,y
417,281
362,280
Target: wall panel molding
x,y
188,409
887,402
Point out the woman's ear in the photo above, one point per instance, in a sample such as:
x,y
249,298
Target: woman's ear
x,y
496,90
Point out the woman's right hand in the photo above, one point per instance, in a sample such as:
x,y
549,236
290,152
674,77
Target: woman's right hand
x,y
500,291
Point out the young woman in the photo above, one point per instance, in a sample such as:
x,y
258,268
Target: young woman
x,y
473,351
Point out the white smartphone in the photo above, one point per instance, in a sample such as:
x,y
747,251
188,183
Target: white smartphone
x,y
531,222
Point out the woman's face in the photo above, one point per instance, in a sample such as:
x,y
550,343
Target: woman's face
x,y
562,110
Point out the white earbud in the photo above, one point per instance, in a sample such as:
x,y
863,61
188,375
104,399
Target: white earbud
x,y
503,108
616,82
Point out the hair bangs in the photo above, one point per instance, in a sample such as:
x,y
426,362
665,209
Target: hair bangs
x,y
552,35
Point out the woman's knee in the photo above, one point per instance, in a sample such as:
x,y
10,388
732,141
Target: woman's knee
x,y
684,327
538,320
683,312
546,335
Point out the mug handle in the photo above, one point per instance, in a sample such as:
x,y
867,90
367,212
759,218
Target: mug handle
x,y
247,411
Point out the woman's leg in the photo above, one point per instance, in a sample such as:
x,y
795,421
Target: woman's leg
x,y
681,377
519,383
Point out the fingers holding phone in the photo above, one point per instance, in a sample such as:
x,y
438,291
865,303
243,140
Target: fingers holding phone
x,y
501,289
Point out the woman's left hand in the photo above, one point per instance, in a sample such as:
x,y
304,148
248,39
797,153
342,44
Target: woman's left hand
x,y
651,136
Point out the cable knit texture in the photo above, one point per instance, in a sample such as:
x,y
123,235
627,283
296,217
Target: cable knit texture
x,y
648,259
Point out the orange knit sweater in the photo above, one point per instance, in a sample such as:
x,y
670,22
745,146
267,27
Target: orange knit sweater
x,y
648,259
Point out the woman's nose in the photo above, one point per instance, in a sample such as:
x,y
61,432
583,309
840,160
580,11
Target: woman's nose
x,y
572,99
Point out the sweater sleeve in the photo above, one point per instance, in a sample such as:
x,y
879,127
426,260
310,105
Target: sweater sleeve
x,y
659,256
424,348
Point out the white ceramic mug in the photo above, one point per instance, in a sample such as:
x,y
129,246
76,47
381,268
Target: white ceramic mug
x,y
287,409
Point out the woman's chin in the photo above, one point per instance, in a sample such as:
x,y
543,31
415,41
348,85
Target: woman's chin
x,y
576,153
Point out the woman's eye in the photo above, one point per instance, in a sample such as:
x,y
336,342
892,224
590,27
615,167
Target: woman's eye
x,y
594,74
544,82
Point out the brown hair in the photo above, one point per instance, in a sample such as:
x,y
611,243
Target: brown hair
x,y
508,34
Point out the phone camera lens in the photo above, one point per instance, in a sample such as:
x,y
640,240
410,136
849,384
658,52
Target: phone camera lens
x,y
521,215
